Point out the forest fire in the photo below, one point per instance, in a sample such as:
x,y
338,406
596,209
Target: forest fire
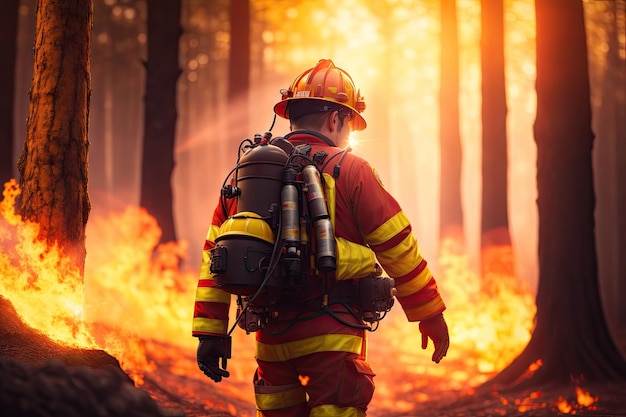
x,y
136,304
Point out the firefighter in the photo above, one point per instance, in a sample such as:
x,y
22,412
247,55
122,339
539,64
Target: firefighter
x,y
312,358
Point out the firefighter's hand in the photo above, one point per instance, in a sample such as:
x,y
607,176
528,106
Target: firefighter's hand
x,y
436,329
210,350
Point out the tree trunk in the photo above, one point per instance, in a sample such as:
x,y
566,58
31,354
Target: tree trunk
x,y
239,71
451,210
8,52
610,178
496,250
157,167
570,338
53,163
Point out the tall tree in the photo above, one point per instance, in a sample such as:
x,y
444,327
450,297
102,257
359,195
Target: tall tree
x,y
8,52
160,114
570,338
451,217
610,168
239,70
53,163
496,254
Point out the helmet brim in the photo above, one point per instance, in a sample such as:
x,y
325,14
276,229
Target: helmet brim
x,y
282,110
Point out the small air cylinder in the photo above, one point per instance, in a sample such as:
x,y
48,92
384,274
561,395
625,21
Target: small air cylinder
x,y
290,228
315,193
326,251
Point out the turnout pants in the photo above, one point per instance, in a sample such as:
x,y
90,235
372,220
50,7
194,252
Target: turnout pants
x,y
313,368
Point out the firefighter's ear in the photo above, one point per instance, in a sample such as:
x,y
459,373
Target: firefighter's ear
x,y
333,120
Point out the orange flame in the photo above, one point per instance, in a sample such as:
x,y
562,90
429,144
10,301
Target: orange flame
x,y
45,288
125,297
585,399
134,292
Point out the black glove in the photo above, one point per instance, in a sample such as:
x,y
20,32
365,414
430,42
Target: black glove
x,y
210,350
436,329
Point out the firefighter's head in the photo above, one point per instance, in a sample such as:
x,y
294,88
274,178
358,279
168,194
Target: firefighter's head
x,y
319,91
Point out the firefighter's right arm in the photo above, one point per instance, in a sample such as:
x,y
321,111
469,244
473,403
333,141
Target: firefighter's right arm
x,y
353,260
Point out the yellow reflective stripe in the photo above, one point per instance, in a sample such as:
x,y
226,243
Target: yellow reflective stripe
x,y
329,188
323,343
278,400
212,233
390,228
205,271
201,324
415,284
425,311
212,294
353,260
329,410
401,260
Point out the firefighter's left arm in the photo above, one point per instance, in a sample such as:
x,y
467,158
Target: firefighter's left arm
x,y
211,304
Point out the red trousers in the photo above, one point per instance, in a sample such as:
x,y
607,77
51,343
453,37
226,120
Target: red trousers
x,y
315,367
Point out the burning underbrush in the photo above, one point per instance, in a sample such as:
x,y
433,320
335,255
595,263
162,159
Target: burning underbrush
x,y
136,304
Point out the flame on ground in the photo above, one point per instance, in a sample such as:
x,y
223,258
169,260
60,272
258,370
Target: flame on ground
x,y
134,300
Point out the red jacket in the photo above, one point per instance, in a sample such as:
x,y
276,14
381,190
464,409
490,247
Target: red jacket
x,y
369,227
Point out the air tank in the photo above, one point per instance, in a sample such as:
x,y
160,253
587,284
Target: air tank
x,y
259,177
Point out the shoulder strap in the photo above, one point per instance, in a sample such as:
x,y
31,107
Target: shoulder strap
x,y
336,169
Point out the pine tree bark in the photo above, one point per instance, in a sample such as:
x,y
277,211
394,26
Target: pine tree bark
x,y
239,71
570,338
451,210
496,251
8,52
160,115
610,179
53,163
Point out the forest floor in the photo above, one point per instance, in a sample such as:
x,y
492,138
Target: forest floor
x,y
180,389
40,378
195,398
612,403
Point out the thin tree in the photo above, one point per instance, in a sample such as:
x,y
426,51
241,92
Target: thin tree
x,y
451,210
8,52
53,163
496,254
239,70
570,339
160,114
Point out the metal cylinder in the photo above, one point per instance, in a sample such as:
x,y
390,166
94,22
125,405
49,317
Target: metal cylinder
x,y
326,251
315,193
260,179
290,215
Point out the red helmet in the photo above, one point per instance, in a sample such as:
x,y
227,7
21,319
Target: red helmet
x,y
325,82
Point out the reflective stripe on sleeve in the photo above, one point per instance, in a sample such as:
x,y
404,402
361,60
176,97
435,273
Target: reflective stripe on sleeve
x,y
414,284
353,260
212,294
391,227
402,258
427,310
204,325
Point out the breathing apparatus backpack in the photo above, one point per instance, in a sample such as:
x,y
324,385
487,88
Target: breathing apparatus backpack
x,y
265,249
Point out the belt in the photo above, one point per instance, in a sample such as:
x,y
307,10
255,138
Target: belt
x,y
345,291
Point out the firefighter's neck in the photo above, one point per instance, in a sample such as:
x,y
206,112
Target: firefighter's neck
x,y
333,128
